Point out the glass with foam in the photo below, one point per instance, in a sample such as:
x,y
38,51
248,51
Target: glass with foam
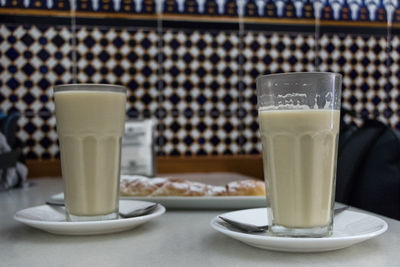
x,y
90,124
299,116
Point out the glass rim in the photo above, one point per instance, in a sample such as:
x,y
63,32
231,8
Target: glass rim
x,y
94,87
307,73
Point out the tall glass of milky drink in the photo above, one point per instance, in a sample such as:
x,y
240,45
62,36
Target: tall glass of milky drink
x,y
90,124
299,124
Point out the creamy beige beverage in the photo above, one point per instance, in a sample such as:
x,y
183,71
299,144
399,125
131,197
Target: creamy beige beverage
x,y
299,154
90,125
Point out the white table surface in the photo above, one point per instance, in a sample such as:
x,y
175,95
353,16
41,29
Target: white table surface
x,y
177,238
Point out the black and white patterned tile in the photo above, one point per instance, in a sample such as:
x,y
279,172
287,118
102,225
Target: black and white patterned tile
x,y
198,85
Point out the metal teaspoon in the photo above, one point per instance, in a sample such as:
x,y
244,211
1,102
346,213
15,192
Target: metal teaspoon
x,y
130,214
251,228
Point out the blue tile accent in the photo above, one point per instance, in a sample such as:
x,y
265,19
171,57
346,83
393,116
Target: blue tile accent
x,y
12,83
12,54
28,98
350,10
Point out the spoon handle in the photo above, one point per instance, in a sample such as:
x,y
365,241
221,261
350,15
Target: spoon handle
x,y
55,202
338,210
133,213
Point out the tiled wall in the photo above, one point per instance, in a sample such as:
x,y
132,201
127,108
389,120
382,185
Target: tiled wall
x,y
198,83
205,102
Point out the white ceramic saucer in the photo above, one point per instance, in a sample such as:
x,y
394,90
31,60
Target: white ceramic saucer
x,y
52,219
349,228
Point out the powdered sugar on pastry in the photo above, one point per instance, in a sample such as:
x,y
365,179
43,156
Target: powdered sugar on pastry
x,y
215,190
139,185
176,187
248,187
143,186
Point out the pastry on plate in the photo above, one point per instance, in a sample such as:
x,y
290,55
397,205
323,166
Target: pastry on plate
x,y
135,185
246,188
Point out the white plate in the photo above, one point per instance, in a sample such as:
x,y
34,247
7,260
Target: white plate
x,y
223,202
349,228
52,219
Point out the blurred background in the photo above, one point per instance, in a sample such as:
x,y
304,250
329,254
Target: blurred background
x,y
191,65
